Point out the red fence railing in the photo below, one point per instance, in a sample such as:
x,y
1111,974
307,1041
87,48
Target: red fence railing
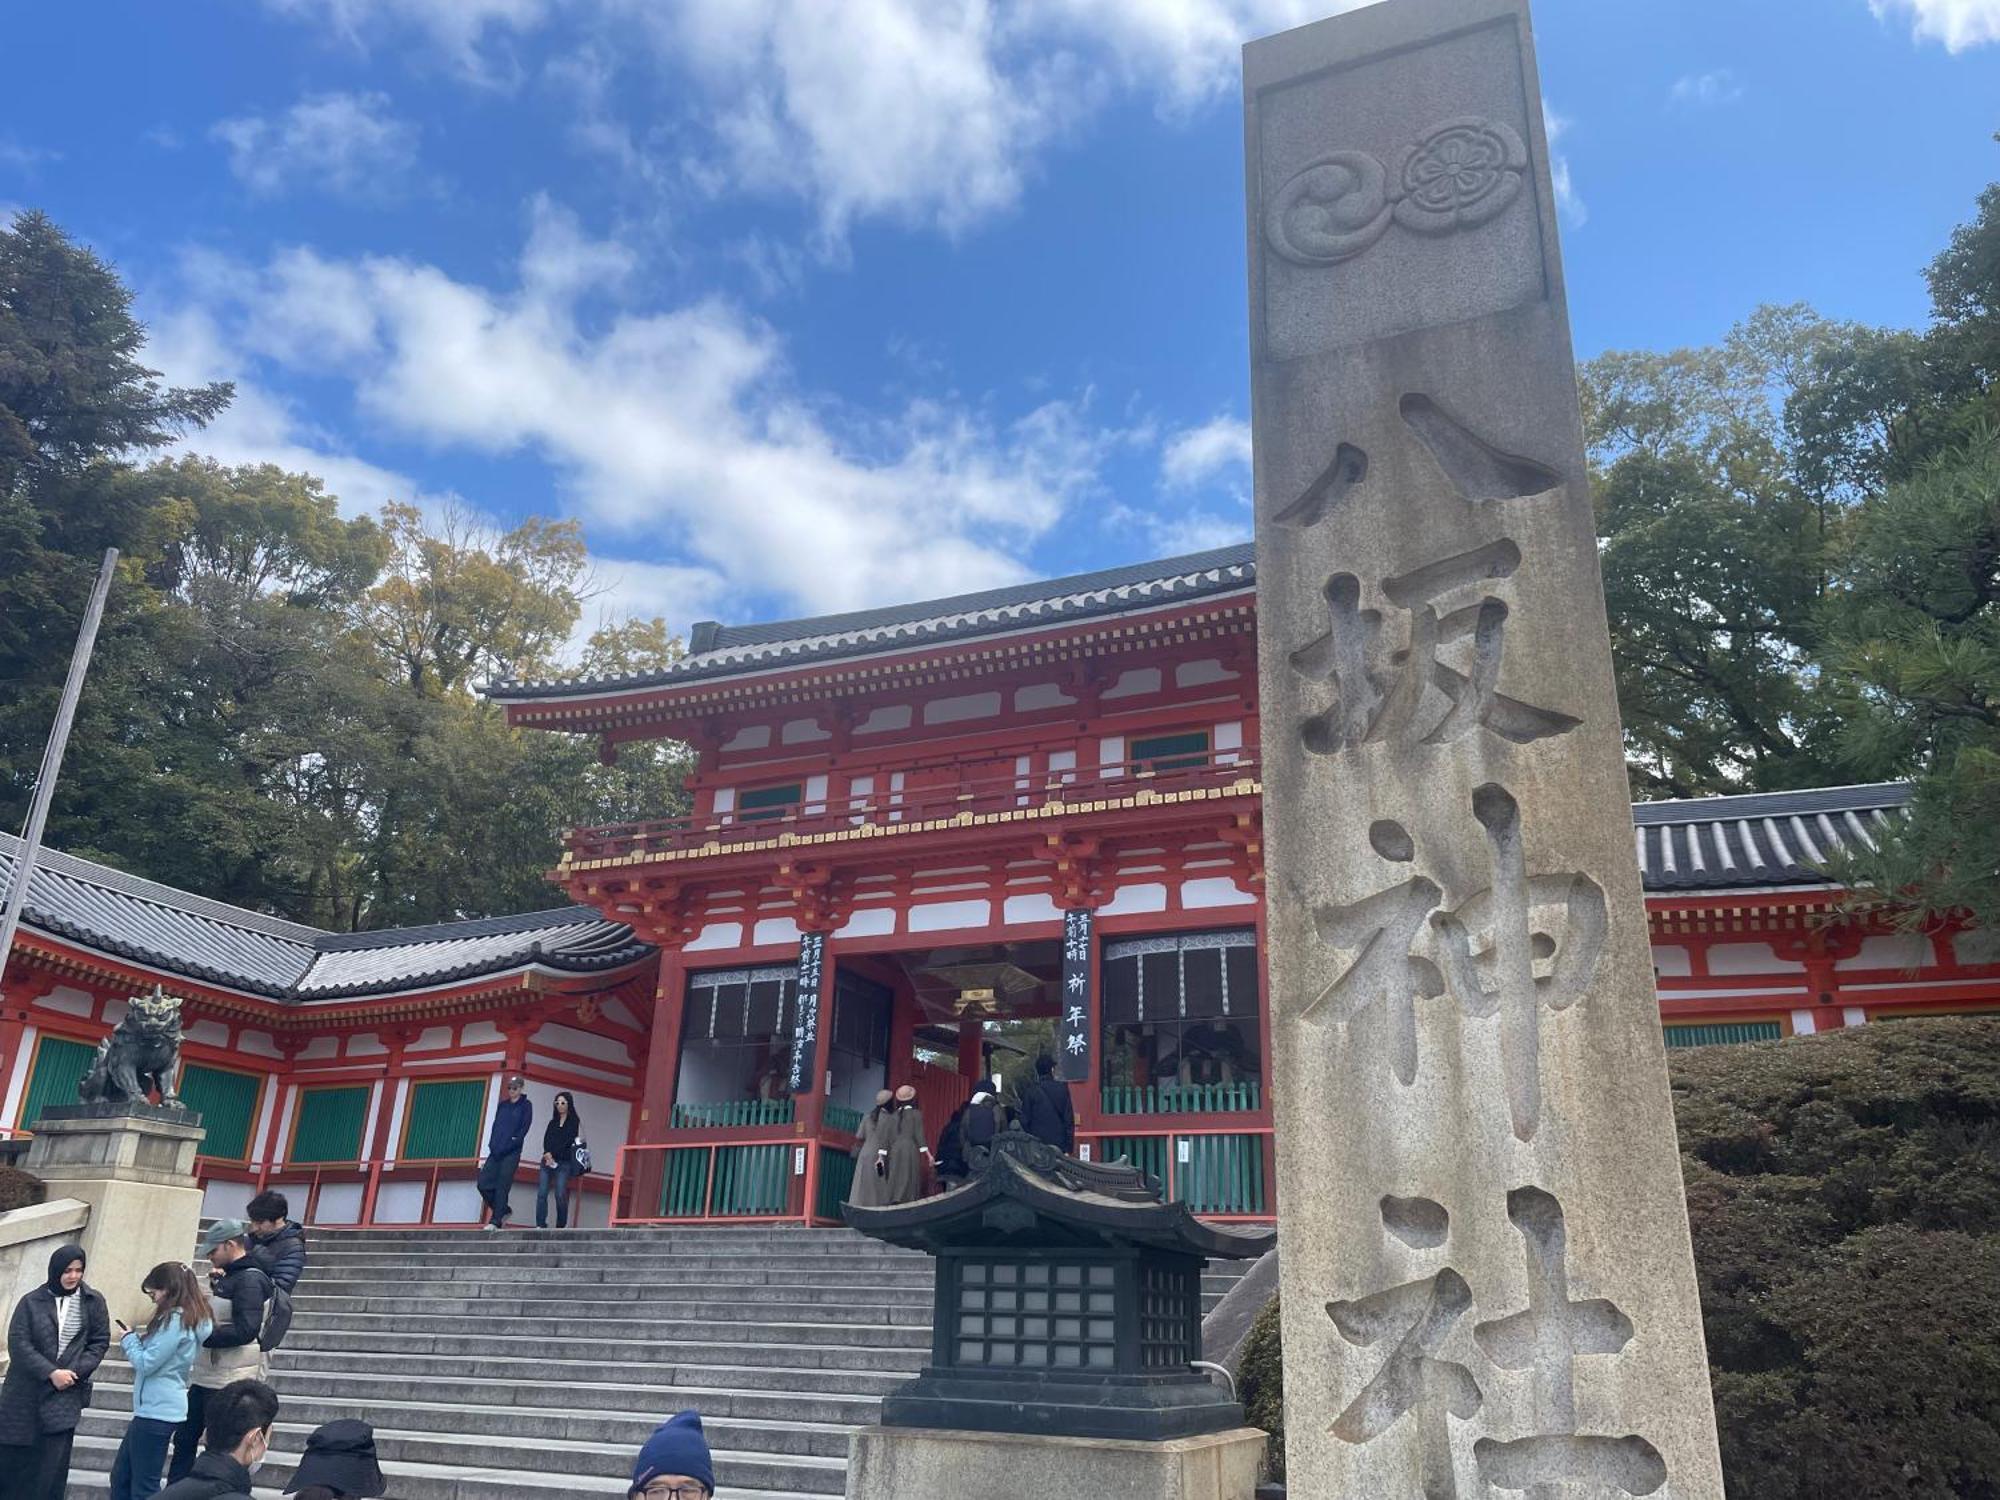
x,y
1220,773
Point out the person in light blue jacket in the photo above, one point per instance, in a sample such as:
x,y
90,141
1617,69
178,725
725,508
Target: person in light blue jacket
x,y
161,1358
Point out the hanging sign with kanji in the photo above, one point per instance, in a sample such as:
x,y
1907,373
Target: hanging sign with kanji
x,y
1073,1036
805,1042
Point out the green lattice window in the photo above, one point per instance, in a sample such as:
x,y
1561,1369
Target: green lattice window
x,y
1730,1031
227,1102
329,1124
444,1119
765,802
1171,752
59,1067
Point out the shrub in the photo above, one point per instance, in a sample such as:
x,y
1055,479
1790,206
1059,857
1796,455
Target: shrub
x,y
19,1189
1844,1194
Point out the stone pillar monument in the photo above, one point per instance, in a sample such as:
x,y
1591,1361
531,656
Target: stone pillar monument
x,y
1486,1275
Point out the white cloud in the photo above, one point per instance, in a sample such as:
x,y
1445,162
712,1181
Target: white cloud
x,y
926,112
1705,90
24,159
1567,199
679,429
351,144
1196,455
1959,24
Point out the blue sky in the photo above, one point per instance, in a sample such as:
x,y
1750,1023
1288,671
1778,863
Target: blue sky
x,y
805,306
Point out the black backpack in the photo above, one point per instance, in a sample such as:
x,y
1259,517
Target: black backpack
x,y
277,1319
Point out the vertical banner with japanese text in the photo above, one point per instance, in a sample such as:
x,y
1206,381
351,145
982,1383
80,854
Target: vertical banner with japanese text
x,y
1073,1036
805,1042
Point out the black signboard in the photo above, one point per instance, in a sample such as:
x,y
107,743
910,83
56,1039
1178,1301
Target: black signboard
x,y
805,1044
1073,1036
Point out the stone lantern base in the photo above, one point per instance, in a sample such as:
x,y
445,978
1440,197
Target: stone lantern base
x,y
911,1463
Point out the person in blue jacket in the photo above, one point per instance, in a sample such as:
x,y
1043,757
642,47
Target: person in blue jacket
x,y
161,1357
503,1150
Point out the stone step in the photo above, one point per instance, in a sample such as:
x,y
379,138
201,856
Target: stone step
x,y
468,1470
406,1410
536,1372
395,1330
721,1304
612,1353
474,1265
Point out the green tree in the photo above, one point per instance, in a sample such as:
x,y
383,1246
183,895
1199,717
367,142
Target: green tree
x,y
1714,557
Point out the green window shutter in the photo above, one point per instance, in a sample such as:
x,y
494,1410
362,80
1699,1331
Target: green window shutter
x,y
329,1127
1732,1031
444,1119
59,1067
227,1103
1170,752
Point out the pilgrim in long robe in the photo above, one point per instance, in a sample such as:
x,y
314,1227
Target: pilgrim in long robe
x,y
871,1189
909,1146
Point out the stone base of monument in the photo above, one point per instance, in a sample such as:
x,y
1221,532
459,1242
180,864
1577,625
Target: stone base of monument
x,y
133,1164
910,1463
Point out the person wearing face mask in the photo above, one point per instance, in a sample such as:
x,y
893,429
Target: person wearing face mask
x,y
235,1440
54,1344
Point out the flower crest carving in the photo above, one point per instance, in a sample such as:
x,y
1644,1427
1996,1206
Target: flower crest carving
x,y
1457,175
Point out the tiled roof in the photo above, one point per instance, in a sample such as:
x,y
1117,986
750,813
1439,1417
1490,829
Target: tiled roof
x,y
1762,839
718,650
206,940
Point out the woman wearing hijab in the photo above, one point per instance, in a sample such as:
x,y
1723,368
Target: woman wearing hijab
x,y
55,1342
871,1154
339,1463
909,1149
161,1357
559,1138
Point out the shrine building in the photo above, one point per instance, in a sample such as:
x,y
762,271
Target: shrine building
x,y
1031,804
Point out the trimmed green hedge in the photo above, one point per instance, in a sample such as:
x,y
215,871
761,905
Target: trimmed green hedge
x,y
1844,1192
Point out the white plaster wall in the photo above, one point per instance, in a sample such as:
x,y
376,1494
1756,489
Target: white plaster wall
x,y
619,1012
1135,898
542,1065
1134,684
1802,1023
1905,950
1111,753
366,1044
396,1111
725,801
1036,907
65,1001
815,792
942,916
1214,891
961,709
401,1202
869,921
339,1203
1672,962
17,1079
1750,958
775,930
583,1043
1040,695
1853,1015
215,1034
482,1034
803,732
886,719
750,737
262,1043
717,935
433,1036
607,1125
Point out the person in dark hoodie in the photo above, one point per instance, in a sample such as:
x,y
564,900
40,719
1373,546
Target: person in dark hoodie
x,y
278,1244
231,1354
503,1150
339,1463
1046,1111
238,1436
675,1463
559,1139
55,1342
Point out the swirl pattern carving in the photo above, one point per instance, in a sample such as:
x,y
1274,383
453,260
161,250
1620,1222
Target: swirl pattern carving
x,y
1458,175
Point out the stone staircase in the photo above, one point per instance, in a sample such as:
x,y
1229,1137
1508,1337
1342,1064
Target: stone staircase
x,y
532,1364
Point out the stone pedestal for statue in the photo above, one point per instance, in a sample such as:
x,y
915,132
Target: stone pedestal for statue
x,y
134,1165
1487,1281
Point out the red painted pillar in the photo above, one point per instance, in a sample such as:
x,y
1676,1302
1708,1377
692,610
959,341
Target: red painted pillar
x,y
378,1145
637,1191
971,1048
902,1034
809,1108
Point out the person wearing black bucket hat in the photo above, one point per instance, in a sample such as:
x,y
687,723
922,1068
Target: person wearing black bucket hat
x,y
339,1463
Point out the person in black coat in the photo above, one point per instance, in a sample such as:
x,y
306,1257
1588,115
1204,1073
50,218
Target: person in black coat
x,y
276,1243
54,1345
235,1440
1046,1111
558,1162
951,1165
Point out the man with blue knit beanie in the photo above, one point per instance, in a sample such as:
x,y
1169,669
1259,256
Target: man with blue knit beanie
x,y
674,1464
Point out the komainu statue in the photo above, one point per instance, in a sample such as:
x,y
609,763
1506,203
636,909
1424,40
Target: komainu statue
x,y
142,1053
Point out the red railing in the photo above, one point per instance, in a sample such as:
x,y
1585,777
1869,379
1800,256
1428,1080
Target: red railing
x,y
1053,791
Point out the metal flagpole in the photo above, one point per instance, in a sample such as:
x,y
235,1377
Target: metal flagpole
x,y
45,784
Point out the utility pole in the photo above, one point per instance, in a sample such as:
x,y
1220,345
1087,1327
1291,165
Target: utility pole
x,y
45,783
